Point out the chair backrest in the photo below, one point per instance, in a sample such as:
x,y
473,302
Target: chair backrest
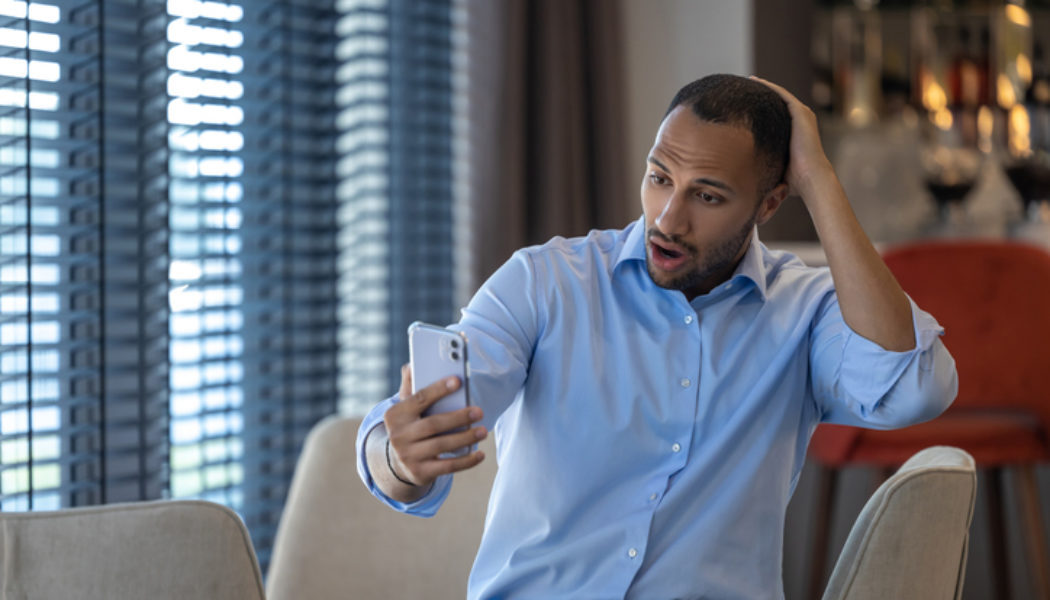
x,y
993,299
911,538
158,550
336,541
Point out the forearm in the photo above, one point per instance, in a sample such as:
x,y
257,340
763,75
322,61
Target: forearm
x,y
379,466
872,302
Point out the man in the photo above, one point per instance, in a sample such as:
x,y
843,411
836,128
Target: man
x,y
653,389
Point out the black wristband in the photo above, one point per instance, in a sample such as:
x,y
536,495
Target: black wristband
x,y
390,464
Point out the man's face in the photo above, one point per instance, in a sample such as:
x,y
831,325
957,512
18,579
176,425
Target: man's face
x,y
700,196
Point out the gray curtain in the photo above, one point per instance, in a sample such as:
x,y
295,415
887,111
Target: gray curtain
x,y
547,116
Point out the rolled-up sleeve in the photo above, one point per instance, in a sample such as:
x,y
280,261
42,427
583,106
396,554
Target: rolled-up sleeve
x,y
426,506
857,382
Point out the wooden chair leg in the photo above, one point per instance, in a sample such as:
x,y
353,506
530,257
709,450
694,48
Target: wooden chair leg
x,y
1033,532
821,531
997,532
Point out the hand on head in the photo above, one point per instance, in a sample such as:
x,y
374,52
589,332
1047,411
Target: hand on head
x,y
808,166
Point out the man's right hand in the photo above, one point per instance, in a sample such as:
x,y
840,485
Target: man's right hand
x,y
416,442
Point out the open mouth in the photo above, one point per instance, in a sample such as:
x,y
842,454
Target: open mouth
x,y
667,258
666,252
666,249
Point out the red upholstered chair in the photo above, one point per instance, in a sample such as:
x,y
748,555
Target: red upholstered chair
x,y
993,299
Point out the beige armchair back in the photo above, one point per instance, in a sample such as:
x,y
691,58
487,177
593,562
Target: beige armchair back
x,y
336,541
168,550
911,538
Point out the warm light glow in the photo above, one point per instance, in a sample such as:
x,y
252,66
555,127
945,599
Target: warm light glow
x,y
860,116
1005,91
1018,15
1018,130
985,127
1024,69
942,119
933,97
1041,91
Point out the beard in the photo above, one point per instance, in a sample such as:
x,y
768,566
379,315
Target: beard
x,y
717,259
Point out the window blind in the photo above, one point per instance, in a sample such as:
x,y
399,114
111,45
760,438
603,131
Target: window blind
x,y
207,209
290,237
34,261
396,191
167,264
82,270
252,192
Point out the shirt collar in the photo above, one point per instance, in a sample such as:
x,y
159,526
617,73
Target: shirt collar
x,y
634,246
752,265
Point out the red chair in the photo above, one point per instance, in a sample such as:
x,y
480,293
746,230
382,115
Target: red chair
x,y
993,299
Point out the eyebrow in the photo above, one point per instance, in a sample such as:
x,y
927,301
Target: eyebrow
x,y
703,180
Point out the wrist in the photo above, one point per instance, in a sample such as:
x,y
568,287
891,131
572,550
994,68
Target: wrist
x,y
817,182
393,471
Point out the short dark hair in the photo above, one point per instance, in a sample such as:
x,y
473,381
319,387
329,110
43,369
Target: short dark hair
x,y
746,103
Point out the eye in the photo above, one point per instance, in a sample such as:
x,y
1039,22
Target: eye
x,y
708,198
657,179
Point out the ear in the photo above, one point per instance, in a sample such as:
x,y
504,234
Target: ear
x,y
770,203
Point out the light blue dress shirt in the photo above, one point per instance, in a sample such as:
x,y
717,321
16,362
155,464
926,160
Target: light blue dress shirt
x,y
647,445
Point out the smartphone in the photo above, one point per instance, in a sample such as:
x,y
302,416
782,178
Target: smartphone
x,y
437,353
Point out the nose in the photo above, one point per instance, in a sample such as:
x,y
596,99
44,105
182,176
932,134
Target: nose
x,y
674,218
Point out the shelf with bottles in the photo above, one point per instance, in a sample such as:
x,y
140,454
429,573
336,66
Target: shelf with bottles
x,y
967,82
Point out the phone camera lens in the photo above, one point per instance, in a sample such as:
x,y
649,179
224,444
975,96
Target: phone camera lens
x,y
455,356
455,344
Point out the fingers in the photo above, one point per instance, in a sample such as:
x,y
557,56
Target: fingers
x,y
795,106
809,169
405,436
417,442
786,95
445,466
436,446
441,423
411,406
420,461
406,382
424,398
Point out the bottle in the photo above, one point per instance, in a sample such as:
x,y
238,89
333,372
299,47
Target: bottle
x,y
984,66
964,74
1038,93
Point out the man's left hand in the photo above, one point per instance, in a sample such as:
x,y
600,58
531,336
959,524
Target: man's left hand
x,y
808,169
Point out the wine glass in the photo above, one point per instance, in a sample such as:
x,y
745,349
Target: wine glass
x,y
1027,159
951,164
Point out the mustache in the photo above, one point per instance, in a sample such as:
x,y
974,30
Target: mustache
x,y
673,239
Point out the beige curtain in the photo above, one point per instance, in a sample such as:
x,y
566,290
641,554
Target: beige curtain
x,y
547,120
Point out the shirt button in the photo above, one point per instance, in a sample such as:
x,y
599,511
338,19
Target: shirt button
x,y
685,382
652,497
729,286
676,447
632,553
688,319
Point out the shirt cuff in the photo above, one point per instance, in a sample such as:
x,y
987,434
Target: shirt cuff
x,y
426,506
868,366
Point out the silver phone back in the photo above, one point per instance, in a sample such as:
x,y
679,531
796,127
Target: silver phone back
x,y
436,353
